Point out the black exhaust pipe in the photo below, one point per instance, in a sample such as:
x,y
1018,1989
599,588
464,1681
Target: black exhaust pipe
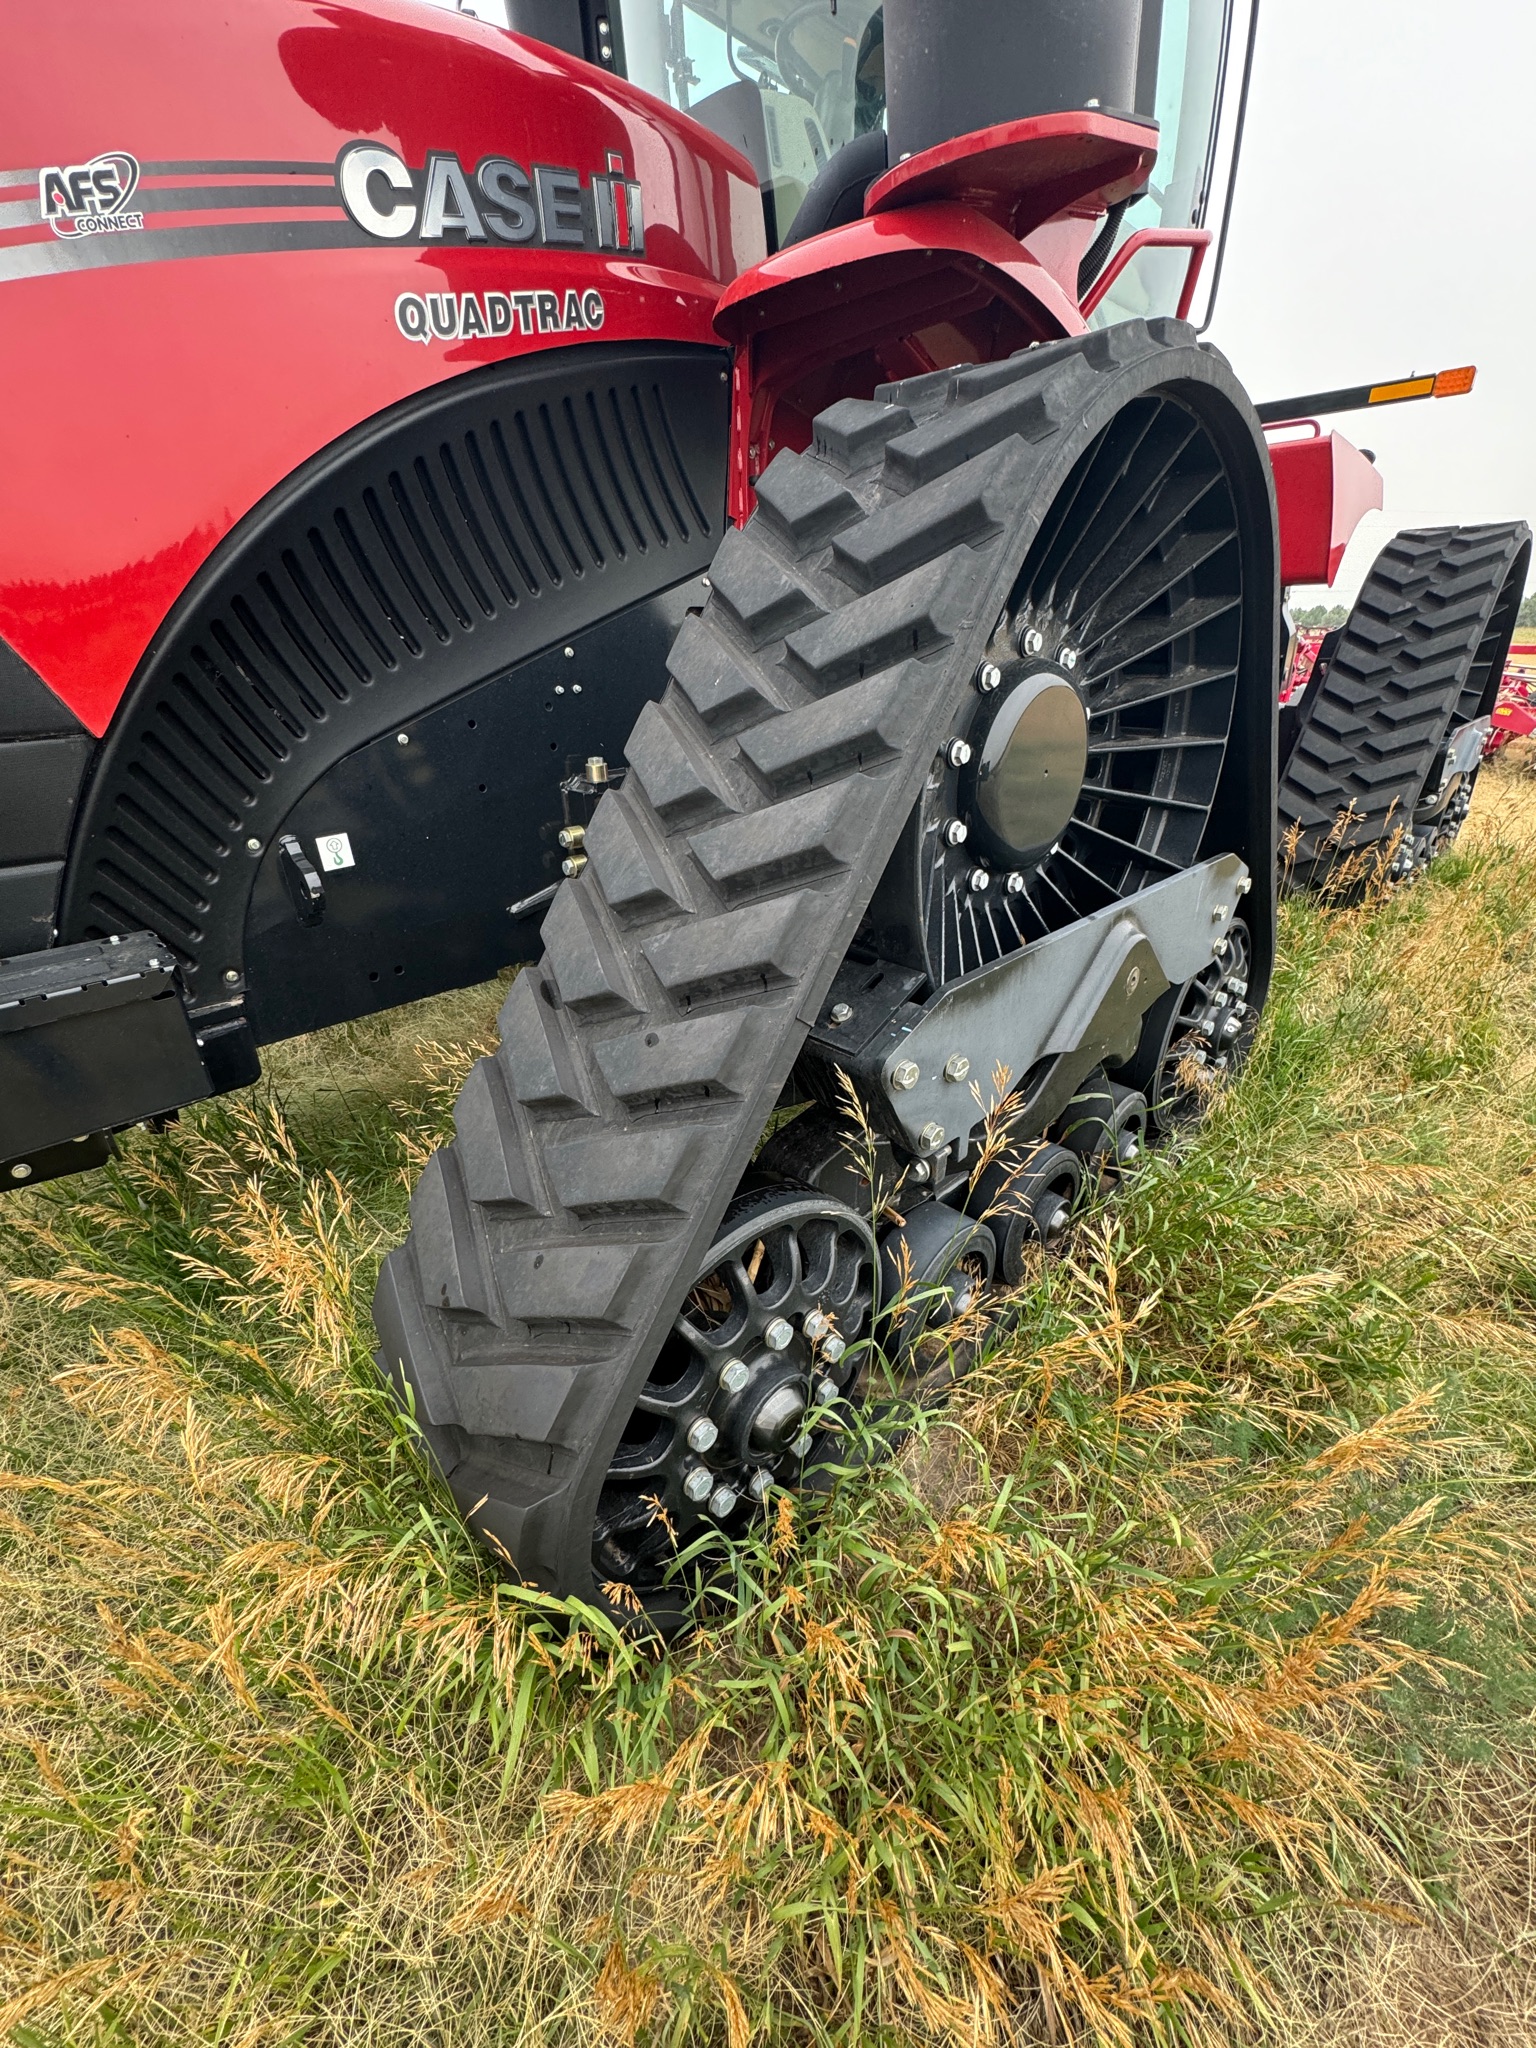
x,y
953,66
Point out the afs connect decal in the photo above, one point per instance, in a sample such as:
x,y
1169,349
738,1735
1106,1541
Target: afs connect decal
x,y
548,207
366,195
90,199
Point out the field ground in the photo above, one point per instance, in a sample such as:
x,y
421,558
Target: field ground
x,y
1177,1687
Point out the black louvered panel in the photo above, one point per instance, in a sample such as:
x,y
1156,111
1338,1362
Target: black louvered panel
x,y
433,549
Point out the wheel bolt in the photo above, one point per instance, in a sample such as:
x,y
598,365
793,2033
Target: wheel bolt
x,y
702,1435
988,677
722,1501
957,753
956,832
779,1334
1069,658
734,1375
979,881
833,1347
1031,640
816,1324
1013,882
699,1484
905,1074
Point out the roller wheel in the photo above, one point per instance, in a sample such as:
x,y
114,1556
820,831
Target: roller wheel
x,y
1370,783
750,1386
539,1316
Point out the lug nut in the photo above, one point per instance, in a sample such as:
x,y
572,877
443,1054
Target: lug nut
x,y
699,1484
760,1484
827,1391
779,1334
956,1067
800,1445
988,677
979,881
833,1347
571,837
1231,1028
702,1435
956,832
1013,882
840,1013
816,1324
905,1074
734,1375
931,1137
957,753
722,1502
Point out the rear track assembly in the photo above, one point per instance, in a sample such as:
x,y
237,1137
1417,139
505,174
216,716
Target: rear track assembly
x,y
1376,777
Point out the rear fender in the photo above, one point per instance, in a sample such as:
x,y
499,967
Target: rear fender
x,y
894,295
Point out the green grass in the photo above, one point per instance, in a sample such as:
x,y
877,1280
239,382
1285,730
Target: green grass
x,y
1174,1687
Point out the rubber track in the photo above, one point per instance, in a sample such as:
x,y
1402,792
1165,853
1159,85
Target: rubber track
x,y
553,1241
1392,692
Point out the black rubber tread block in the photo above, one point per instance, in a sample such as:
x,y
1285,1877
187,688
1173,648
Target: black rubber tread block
x,y
965,506
679,771
853,433
758,593
701,1059
629,857
1377,720
803,502
643,1055
497,1173
446,1238
588,965
634,1173
726,688
857,727
875,631
762,946
801,837
543,1071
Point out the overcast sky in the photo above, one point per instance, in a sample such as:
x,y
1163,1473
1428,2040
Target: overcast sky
x,y
1381,227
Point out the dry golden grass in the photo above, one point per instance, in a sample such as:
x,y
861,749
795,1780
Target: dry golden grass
x,y
1174,1689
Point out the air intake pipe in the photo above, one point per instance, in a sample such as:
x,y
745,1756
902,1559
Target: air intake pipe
x,y
953,66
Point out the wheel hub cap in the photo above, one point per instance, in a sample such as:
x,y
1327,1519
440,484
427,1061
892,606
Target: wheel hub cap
x,y
1031,766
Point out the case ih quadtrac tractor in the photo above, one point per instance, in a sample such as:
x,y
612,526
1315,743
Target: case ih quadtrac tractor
x,y
754,464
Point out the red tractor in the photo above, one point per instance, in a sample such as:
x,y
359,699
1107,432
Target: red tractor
x,y
756,466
